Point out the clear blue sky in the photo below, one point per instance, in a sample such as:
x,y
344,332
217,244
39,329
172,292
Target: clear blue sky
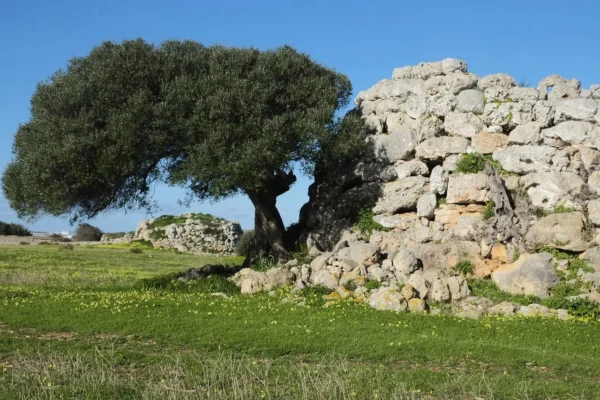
x,y
528,39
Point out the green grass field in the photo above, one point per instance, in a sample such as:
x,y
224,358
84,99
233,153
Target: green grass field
x,y
77,324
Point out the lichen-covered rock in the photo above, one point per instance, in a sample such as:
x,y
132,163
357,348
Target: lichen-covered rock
x,y
563,231
387,299
405,261
594,212
447,255
575,132
364,253
416,305
470,101
426,205
410,168
531,274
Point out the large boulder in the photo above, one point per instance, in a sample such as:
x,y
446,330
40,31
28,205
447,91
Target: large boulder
x,y
463,124
531,274
438,180
447,255
470,101
575,132
387,299
401,195
363,253
549,189
563,231
395,146
441,147
575,109
487,143
529,133
525,159
468,188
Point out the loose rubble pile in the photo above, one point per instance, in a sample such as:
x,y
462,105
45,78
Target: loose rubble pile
x,y
188,233
476,171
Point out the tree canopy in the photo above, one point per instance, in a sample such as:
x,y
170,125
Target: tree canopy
x,y
216,120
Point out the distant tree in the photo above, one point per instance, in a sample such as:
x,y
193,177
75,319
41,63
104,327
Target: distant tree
x,y
216,120
7,229
87,233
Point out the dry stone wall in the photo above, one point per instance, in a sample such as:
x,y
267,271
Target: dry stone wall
x,y
536,184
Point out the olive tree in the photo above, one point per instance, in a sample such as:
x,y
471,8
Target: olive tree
x,y
217,120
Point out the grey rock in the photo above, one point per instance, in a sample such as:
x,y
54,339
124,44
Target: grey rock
x,y
526,95
575,132
543,113
399,145
438,180
594,182
441,147
456,82
563,231
549,189
459,289
594,212
505,308
387,299
446,255
375,273
464,124
529,133
450,65
405,261
468,188
325,278
398,221
592,257
410,168
531,274
430,127
470,101
364,253
575,109
439,291
525,159
401,195
441,105
500,80
416,305
418,281
426,205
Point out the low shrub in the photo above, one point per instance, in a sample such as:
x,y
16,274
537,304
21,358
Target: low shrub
x,y
24,243
471,163
87,233
7,229
136,250
350,285
59,238
488,288
372,285
489,211
465,267
364,222
66,247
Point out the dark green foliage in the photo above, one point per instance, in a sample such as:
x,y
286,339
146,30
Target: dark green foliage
x,y
158,234
243,245
364,222
559,209
141,243
471,163
465,267
350,285
371,285
557,254
66,247
24,243
59,238
488,211
487,288
13,230
314,294
87,233
217,121
136,250
117,235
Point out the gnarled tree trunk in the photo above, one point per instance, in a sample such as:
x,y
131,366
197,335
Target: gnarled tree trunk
x,y
267,221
